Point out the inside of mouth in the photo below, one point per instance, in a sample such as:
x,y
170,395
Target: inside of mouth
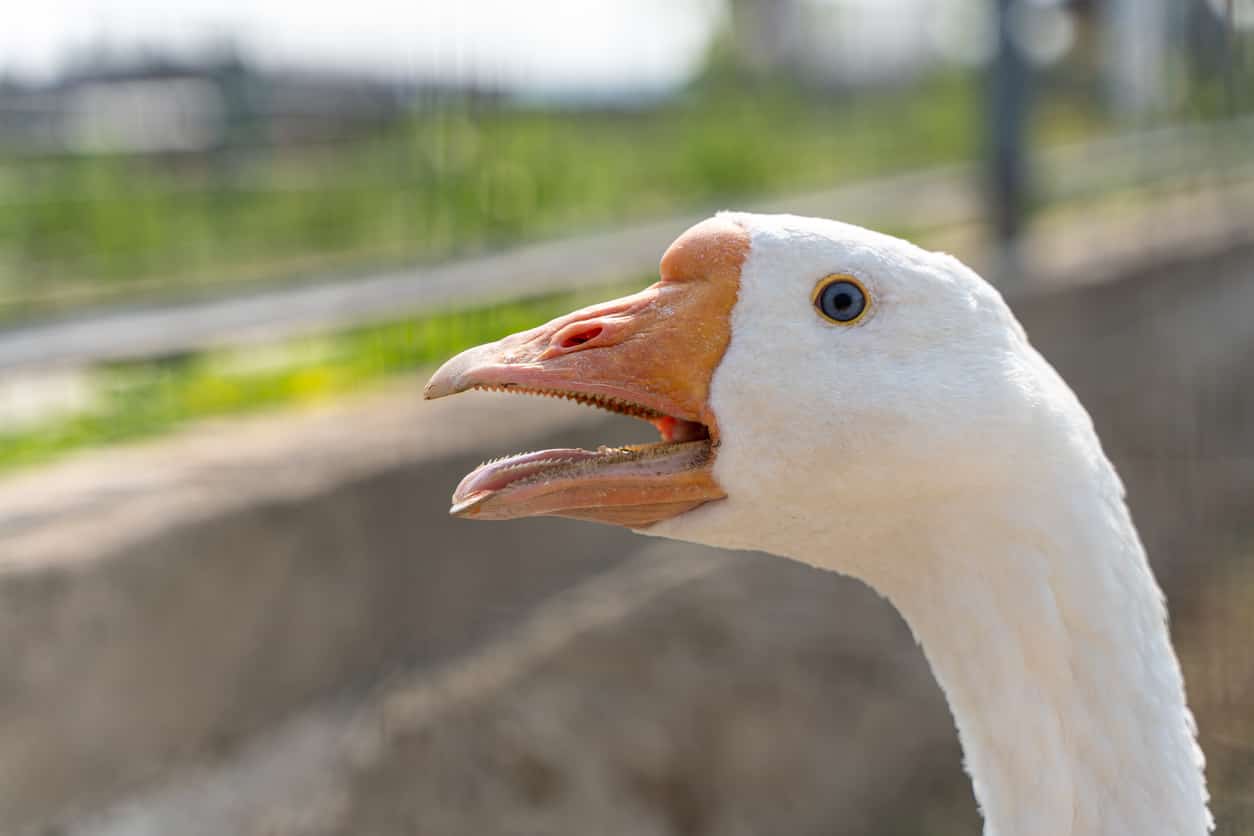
x,y
683,444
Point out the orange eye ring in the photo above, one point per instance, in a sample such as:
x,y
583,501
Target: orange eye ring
x,y
841,299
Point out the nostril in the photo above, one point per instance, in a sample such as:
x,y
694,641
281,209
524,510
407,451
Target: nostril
x,y
580,336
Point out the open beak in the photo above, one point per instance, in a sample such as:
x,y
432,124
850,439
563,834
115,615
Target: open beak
x,y
650,355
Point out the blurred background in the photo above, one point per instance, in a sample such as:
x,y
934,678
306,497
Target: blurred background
x,y
235,237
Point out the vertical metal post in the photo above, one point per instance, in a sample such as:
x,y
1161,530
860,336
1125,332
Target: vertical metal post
x,y
1007,115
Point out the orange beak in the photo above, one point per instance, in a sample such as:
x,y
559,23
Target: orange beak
x,y
650,355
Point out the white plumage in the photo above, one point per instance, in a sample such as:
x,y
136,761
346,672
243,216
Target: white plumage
x,y
930,451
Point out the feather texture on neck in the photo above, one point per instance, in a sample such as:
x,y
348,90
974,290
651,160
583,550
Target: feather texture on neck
x,y
1047,633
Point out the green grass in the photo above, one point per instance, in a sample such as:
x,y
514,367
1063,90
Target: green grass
x,y
76,230
137,400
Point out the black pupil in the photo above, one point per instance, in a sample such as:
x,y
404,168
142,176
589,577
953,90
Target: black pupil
x,y
841,301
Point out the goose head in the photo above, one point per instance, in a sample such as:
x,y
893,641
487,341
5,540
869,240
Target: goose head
x,y
802,374
844,398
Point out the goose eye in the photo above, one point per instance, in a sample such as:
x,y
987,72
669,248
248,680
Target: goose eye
x,y
840,299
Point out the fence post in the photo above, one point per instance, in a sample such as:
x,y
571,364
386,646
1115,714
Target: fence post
x,y
1007,158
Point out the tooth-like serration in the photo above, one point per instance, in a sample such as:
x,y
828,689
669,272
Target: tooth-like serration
x,y
606,402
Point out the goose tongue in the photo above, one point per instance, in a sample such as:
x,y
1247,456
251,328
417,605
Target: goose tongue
x,y
630,484
500,473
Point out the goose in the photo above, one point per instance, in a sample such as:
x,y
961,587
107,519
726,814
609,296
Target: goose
x,y
846,399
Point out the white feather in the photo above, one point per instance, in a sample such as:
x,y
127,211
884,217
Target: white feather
x,y
930,451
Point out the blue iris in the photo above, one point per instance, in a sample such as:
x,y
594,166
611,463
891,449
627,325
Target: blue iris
x,y
842,301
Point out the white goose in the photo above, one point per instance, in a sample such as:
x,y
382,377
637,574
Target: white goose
x,y
846,399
